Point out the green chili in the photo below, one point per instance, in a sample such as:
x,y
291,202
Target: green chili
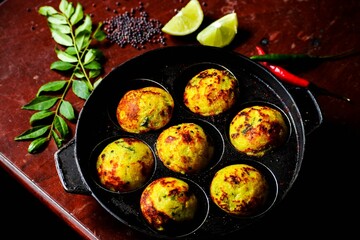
x,y
289,58
286,76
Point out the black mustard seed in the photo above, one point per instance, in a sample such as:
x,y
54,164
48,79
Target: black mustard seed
x,y
134,28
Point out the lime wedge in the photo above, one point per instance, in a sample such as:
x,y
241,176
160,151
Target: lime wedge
x,y
186,21
219,33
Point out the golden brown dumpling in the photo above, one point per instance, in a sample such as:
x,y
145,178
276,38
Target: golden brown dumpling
x,y
145,109
239,189
125,164
184,148
257,129
211,92
168,200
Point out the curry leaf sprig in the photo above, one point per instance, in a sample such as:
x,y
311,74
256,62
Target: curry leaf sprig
x,y
72,31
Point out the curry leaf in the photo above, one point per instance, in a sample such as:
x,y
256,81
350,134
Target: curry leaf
x,y
40,116
69,10
41,103
61,66
82,39
96,83
95,65
79,74
94,73
33,133
71,50
80,89
61,126
57,139
52,87
67,110
99,34
37,144
61,28
61,38
47,11
86,26
78,14
57,19
63,56
89,56
63,6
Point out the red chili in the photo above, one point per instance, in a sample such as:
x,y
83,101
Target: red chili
x,y
260,50
282,73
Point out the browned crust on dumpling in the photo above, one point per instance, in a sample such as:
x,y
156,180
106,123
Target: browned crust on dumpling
x,y
211,92
185,148
125,165
239,189
257,129
166,200
145,109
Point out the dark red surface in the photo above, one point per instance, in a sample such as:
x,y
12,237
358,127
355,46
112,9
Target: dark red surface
x,y
321,200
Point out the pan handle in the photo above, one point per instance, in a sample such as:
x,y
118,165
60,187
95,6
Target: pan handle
x,y
309,108
69,171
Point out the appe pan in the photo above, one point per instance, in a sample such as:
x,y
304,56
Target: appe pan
x,y
170,68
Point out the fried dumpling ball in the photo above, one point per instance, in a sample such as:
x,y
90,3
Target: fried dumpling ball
x,y
257,129
125,164
239,189
184,148
168,200
211,92
145,109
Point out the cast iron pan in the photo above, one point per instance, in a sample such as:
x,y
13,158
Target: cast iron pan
x,y
171,68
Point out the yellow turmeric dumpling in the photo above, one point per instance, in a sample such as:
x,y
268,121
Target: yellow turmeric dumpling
x,y
211,92
168,200
239,189
257,129
184,148
145,109
125,164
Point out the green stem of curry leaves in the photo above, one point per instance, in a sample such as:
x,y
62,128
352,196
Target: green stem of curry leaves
x,y
70,28
80,57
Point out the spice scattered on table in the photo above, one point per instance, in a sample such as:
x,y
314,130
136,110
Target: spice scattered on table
x,y
135,28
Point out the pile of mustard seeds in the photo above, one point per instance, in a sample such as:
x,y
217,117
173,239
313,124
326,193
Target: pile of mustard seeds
x,y
134,28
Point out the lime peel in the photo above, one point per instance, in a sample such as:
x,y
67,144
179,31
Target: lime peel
x,y
219,33
186,21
